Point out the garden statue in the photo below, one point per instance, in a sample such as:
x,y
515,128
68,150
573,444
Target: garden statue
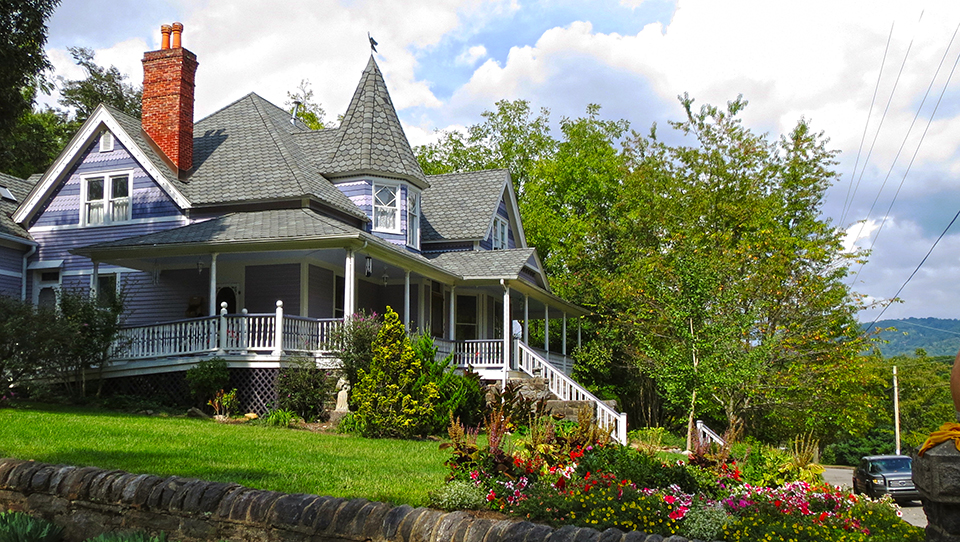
x,y
343,395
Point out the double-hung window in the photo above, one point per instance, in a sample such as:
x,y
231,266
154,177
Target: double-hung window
x,y
386,208
106,199
500,235
413,219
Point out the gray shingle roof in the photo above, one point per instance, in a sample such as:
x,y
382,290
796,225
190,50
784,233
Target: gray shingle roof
x,y
273,225
248,151
19,188
370,138
460,206
485,263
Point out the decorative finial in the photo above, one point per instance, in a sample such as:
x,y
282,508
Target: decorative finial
x,y
373,43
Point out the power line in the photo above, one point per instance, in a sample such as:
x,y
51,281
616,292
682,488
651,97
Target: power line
x,y
944,232
873,143
904,142
866,125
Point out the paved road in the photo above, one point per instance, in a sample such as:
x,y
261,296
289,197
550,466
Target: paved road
x,y
843,476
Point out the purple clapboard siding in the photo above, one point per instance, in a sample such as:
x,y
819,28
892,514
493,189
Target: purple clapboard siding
x,y
62,208
148,303
265,284
321,291
360,193
11,263
56,244
393,297
369,296
10,286
502,213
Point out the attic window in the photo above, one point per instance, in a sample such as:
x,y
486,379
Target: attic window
x,y
500,234
106,199
106,142
5,194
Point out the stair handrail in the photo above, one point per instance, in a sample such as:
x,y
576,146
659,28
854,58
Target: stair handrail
x,y
567,389
704,431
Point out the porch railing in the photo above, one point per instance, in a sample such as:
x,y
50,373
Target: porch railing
x,y
532,363
267,333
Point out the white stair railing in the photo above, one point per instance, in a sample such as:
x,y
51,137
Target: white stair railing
x,y
566,389
705,434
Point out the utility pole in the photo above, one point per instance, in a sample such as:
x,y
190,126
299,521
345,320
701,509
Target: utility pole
x,y
896,408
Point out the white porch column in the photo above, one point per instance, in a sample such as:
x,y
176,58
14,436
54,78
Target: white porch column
x,y
546,330
452,316
526,319
213,284
278,331
349,285
422,296
95,280
406,300
564,335
507,333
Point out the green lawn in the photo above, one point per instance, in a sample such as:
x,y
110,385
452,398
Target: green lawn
x,y
256,456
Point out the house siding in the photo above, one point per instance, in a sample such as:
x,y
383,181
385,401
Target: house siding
x,y
361,194
320,296
148,199
266,284
368,296
11,271
56,244
487,244
148,303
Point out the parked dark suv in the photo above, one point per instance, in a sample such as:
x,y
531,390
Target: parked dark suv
x,y
878,475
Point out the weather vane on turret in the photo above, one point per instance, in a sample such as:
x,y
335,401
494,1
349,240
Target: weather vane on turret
x,y
373,43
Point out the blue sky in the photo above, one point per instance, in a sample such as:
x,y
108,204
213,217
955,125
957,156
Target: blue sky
x,y
447,62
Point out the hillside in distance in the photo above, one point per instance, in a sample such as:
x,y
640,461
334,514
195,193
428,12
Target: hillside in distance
x,y
938,336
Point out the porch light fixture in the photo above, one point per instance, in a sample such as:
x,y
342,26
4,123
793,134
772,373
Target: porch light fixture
x,y
368,269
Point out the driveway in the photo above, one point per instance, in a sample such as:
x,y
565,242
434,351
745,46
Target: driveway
x,y
843,476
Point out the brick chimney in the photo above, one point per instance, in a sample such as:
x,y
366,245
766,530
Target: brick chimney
x,y
167,113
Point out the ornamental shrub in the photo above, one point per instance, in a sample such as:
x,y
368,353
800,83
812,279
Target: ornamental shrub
x,y
207,378
461,395
21,527
304,389
389,401
458,495
136,536
352,344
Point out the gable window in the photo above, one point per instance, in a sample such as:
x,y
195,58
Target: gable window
x,y
106,142
106,199
413,219
386,208
500,234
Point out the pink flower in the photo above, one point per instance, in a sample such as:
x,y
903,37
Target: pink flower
x,y
491,496
669,499
678,513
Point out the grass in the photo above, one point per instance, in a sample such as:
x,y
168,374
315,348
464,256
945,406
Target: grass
x,y
395,471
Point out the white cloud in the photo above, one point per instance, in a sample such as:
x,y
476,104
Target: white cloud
x,y
470,56
632,4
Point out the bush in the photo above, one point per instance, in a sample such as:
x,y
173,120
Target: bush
x,y
224,403
304,389
281,417
458,495
848,451
389,402
21,527
207,378
460,395
348,424
352,343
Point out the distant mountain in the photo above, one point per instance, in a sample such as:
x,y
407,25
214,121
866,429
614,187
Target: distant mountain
x,y
938,336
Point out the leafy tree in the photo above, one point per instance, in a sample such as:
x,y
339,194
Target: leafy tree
x,y
352,343
89,328
101,85
391,404
309,112
510,137
35,140
24,34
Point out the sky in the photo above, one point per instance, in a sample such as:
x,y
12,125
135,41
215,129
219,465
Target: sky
x,y
875,76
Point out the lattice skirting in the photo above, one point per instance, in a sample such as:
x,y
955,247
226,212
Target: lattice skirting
x,y
255,388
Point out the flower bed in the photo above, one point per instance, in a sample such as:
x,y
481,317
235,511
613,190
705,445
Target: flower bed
x,y
603,485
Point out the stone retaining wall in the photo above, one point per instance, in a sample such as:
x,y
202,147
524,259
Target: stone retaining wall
x,y
88,501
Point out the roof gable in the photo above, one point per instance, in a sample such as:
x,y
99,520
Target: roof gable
x,y
462,206
128,131
370,138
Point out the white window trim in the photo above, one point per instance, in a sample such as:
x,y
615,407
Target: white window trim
x,y
398,206
106,141
107,189
501,231
411,192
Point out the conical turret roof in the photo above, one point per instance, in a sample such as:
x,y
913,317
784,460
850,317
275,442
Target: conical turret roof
x,y
370,138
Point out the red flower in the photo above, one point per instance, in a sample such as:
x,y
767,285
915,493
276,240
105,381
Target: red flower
x,y
669,499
